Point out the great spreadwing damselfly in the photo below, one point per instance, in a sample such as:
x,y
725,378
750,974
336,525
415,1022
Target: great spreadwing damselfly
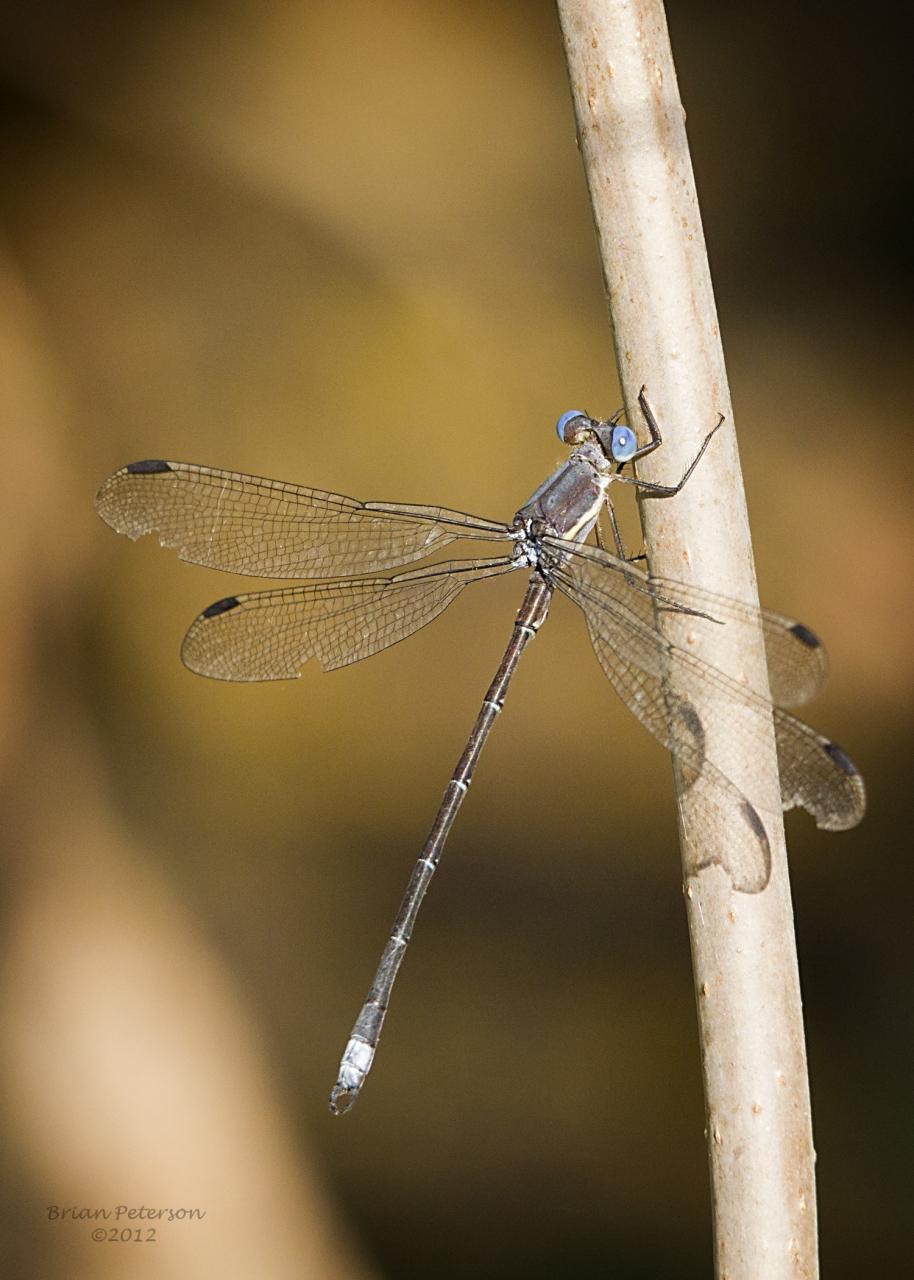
x,y
265,528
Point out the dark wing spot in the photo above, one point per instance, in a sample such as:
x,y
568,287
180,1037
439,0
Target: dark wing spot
x,y
804,634
150,467
841,760
691,722
688,738
221,606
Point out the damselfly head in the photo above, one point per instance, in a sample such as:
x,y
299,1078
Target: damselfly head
x,y
576,427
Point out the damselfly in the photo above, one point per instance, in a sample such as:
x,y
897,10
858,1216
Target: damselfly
x,y
247,525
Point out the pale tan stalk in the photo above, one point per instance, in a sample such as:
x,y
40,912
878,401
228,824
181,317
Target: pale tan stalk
x,y
631,127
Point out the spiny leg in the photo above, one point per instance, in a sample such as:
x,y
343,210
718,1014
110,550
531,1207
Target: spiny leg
x,y
653,427
648,489
617,535
617,538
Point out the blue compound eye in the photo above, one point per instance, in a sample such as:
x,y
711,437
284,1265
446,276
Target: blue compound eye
x,y
561,426
624,443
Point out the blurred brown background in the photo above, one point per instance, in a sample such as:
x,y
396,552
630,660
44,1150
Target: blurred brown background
x,y
350,245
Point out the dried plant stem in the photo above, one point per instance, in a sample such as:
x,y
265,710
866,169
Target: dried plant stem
x,y
633,143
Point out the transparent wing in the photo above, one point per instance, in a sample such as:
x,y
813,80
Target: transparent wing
x,y
269,635
645,667
636,660
269,529
797,662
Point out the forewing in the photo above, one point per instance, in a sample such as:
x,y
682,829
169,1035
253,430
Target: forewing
x,y
269,635
636,660
817,775
270,529
796,659
665,684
